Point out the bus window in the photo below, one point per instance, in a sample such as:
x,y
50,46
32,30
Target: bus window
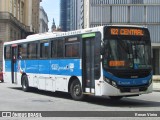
x,y
22,51
7,52
57,49
32,52
72,50
60,49
54,49
19,52
72,47
44,50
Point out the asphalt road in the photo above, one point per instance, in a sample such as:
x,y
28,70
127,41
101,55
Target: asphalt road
x,y
12,98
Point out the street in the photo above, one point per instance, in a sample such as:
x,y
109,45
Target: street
x,y
12,98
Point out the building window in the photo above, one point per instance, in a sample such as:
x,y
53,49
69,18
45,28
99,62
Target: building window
x,y
11,35
11,5
22,12
18,6
19,36
15,7
137,1
15,35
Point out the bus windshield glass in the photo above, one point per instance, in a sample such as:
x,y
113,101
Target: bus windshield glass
x,y
127,53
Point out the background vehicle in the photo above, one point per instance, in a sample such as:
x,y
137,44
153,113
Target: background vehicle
x,y
1,75
110,61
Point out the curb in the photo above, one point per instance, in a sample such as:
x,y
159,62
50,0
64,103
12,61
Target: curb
x,y
156,86
156,90
156,78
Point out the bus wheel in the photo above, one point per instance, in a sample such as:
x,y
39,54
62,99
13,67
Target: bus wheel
x,y
76,90
25,85
115,97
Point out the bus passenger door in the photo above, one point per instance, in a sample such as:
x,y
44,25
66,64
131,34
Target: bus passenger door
x,y
90,61
13,64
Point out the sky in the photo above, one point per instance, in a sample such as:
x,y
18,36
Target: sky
x,y
52,8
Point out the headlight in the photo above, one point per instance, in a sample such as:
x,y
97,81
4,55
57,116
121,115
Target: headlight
x,y
150,81
113,83
107,80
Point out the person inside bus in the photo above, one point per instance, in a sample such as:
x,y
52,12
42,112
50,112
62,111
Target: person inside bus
x,y
19,55
19,52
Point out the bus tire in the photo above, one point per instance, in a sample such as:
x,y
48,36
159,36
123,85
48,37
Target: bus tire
x,y
25,84
76,90
2,81
115,97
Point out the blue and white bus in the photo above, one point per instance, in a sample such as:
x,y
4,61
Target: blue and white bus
x,y
112,61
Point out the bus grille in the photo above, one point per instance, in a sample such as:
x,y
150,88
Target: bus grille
x,y
133,73
128,89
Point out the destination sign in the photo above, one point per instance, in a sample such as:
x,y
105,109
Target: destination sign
x,y
116,63
127,31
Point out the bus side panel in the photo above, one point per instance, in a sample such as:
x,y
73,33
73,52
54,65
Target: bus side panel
x,y
62,70
44,66
8,72
32,77
7,75
68,67
30,67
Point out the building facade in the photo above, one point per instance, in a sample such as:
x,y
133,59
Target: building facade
x,y
64,14
43,21
35,15
70,14
130,12
18,18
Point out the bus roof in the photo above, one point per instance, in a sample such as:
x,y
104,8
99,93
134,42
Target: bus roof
x,y
49,35
129,26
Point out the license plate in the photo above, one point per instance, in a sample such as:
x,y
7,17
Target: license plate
x,y
134,90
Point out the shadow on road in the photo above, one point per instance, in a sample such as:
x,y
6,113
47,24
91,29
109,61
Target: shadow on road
x,y
46,93
124,102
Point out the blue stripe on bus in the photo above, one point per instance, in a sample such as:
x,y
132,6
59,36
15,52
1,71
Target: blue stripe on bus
x,y
68,67
128,82
8,65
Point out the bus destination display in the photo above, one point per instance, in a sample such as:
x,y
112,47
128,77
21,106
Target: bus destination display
x,y
126,31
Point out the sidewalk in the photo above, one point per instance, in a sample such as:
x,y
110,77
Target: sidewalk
x,y
156,83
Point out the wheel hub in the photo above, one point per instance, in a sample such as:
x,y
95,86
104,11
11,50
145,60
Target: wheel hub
x,y
77,90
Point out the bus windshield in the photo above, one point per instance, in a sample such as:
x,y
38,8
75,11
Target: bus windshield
x,y
127,54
